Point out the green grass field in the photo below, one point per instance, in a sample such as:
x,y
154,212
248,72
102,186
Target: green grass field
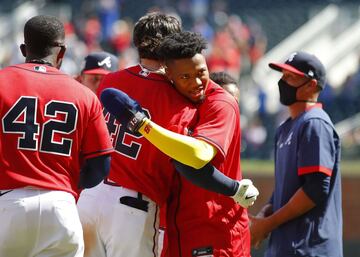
x,y
266,167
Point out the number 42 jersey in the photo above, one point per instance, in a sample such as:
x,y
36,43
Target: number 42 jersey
x,y
50,124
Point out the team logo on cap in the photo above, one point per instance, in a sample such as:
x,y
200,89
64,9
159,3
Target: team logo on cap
x,y
106,61
292,56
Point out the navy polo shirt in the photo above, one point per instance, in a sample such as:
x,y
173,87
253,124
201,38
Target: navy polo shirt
x,y
307,154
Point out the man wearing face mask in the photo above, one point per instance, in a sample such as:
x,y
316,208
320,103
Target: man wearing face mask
x,y
303,215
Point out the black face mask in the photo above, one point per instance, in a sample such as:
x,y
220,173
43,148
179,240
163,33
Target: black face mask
x,y
288,93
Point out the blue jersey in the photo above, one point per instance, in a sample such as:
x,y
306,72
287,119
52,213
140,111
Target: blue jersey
x,y
306,147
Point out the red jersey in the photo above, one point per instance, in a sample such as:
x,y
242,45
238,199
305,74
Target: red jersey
x,y
204,222
49,124
136,164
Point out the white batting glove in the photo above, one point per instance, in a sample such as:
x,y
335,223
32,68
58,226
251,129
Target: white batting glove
x,y
246,193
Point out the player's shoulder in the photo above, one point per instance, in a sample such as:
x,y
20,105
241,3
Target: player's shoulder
x,y
34,68
216,96
13,69
113,78
317,114
216,92
138,73
55,78
133,78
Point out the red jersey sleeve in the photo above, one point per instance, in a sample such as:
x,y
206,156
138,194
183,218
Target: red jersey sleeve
x,y
218,121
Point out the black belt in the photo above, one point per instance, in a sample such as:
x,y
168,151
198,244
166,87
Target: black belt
x,y
2,192
134,202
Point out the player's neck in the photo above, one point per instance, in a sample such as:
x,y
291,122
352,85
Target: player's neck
x,y
34,59
151,65
299,107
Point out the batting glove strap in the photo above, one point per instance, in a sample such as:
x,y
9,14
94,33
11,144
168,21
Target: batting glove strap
x,y
136,121
246,194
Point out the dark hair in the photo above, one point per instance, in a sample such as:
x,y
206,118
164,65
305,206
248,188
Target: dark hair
x,y
181,45
150,30
222,78
43,32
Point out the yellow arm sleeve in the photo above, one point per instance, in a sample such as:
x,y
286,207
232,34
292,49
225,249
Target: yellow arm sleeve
x,y
185,149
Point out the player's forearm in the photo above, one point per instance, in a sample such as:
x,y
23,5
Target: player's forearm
x,y
187,150
208,177
94,171
299,204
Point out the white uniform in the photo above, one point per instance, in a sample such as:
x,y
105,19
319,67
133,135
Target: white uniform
x,y
41,223
102,206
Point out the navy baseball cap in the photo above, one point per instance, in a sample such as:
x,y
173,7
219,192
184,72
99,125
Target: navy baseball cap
x,y
100,63
303,64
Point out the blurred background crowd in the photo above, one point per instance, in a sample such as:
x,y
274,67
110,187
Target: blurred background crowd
x,y
243,36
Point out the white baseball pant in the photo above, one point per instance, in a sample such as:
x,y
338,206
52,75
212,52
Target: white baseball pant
x,y
118,222
39,223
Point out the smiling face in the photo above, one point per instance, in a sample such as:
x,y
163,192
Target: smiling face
x,y
190,76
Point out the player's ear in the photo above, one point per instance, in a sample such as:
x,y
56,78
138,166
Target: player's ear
x,y
60,56
168,73
23,49
169,77
313,84
61,53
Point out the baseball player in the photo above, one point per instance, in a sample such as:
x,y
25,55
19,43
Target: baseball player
x,y
95,66
53,142
140,174
227,82
199,223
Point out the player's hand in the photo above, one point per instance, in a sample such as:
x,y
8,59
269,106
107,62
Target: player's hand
x,y
258,230
125,109
246,194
